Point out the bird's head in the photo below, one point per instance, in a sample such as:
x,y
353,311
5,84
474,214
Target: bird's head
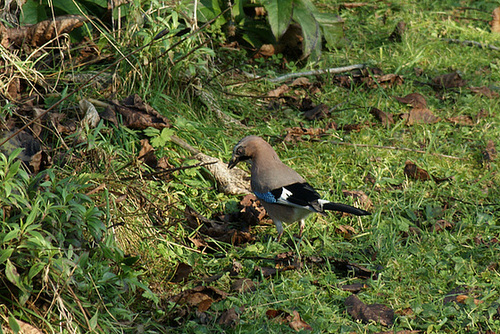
x,y
247,149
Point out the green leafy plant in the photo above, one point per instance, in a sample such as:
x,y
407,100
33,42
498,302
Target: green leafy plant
x,y
281,14
55,243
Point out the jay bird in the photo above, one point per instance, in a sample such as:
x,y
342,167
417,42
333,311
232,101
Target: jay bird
x,y
285,195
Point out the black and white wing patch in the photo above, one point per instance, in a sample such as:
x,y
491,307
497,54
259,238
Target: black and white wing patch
x,y
301,195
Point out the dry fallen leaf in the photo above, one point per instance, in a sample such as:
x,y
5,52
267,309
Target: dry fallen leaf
x,y
399,31
490,152
382,116
495,22
147,155
266,50
137,114
462,299
296,134
366,313
181,272
298,324
360,196
279,316
278,92
301,81
406,312
354,288
461,120
295,322
449,80
24,328
243,285
42,32
421,116
485,91
40,161
218,230
266,271
349,268
416,100
347,231
442,225
230,317
414,172
384,81
319,112
201,297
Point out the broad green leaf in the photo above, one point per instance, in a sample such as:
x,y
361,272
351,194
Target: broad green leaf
x,y
279,14
208,10
14,325
237,11
93,320
32,12
12,274
304,15
12,234
332,27
69,6
5,254
151,132
35,269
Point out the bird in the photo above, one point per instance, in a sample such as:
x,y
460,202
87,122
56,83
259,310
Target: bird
x,y
285,195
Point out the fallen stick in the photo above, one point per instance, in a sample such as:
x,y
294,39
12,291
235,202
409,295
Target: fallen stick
x,y
474,43
333,70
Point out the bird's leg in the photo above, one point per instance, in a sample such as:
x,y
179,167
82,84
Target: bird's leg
x,y
279,228
302,225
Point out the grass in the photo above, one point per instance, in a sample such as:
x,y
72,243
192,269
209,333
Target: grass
x,y
416,271
417,265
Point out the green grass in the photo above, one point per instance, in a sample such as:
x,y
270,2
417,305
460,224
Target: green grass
x,y
416,271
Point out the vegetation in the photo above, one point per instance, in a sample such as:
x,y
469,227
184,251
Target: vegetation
x,y
114,226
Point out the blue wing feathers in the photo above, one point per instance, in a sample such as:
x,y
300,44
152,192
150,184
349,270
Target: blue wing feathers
x,y
266,197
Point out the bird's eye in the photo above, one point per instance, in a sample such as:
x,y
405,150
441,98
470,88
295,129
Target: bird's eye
x,y
240,151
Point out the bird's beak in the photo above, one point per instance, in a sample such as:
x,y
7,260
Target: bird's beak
x,y
233,162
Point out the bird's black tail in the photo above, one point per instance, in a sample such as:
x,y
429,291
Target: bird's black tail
x,y
345,208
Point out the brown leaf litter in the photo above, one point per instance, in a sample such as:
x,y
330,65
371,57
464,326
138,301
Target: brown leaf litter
x,y
447,81
217,230
290,261
367,313
399,31
484,91
36,35
384,117
136,114
495,22
414,172
200,297
181,273
370,78
364,201
294,321
230,317
416,100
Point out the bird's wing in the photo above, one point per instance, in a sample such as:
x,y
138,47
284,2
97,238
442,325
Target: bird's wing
x,y
300,195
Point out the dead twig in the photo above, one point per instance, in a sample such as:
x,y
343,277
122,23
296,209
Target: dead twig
x,y
333,70
473,43
168,171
